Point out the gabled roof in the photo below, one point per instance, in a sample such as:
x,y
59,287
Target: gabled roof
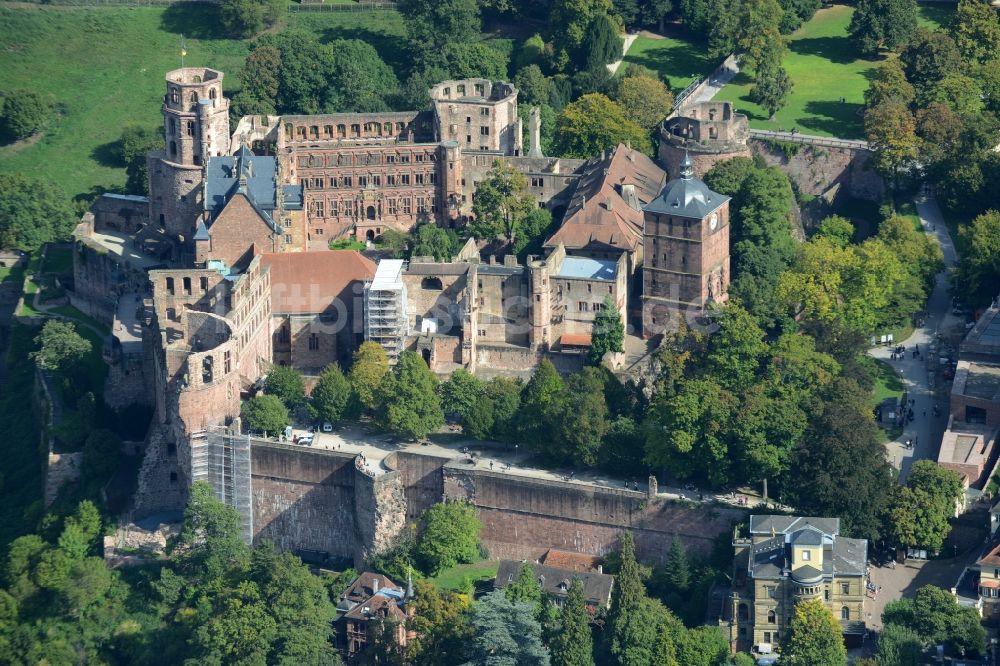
x,y
600,211
564,559
686,196
244,173
760,525
311,282
366,585
555,582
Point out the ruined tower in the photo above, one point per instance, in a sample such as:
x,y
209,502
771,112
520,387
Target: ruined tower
x,y
196,127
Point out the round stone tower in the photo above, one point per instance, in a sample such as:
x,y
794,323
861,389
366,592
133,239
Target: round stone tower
x,y
708,132
196,127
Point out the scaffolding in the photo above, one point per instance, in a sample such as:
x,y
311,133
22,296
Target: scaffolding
x,y
385,308
222,458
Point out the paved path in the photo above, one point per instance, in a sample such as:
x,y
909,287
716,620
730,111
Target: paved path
x,y
492,456
717,80
916,374
629,38
812,139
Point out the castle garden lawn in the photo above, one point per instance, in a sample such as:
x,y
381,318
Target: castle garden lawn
x,y
679,60
823,67
457,576
103,68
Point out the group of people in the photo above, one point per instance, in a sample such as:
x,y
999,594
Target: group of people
x,y
899,353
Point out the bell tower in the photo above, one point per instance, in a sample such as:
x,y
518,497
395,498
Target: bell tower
x,y
685,251
196,127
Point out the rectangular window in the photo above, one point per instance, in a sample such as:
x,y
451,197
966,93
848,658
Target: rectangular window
x,y
288,238
390,158
433,178
405,178
485,111
170,286
376,180
393,210
203,284
313,342
484,131
770,590
362,181
419,178
806,556
227,361
390,179
319,209
348,181
420,205
845,588
407,206
334,209
584,306
187,286
404,158
319,232
190,128
537,182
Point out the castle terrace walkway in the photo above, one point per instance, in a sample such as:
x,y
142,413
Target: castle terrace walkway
x,y
492,456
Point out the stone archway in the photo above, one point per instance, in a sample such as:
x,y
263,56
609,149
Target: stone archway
x,y
370,235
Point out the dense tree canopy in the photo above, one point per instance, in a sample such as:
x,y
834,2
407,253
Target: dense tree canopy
x,y
815,637
502,204
23,113
594,123
978,274
448,535
286,383
407,398
878,24
330,397
32,212
265,414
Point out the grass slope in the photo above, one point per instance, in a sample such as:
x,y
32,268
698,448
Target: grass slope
x,y
679,60
457,576
104,69
823,67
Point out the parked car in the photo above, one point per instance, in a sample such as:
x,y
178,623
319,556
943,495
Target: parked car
x,y
327,426
305,440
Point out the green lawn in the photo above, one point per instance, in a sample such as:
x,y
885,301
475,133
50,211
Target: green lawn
x,y
680,61
933,15
887,381
455,577
824,68
103,68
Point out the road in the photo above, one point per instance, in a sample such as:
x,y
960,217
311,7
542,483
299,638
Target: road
x,y
925,429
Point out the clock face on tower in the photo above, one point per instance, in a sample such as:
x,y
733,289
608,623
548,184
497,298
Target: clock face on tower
x,y
713,221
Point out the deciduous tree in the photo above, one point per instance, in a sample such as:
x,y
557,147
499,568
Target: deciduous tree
x,y
878,24
928,58
608,332
448,535
285,382
976,30
265,413
408,402
978,273
502,204
369,366
60,347
815,637
645,99
330,397
23,113
32,212
594,123
772,85
891,133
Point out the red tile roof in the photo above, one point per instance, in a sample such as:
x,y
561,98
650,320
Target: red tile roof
x,y
562,559
310,282
598,214
575,340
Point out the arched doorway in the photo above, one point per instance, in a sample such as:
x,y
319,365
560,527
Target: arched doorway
x,y
426,353
370,235
370,212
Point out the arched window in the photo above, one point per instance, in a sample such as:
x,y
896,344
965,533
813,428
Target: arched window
x,y
211,93
194,98
845,613
431,284
771,617
197,79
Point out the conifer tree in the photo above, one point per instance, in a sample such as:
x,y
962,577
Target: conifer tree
x,y
573,644
678,572
526,589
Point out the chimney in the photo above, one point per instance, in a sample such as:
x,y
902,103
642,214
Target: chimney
x,y
375,586
535,131
608,203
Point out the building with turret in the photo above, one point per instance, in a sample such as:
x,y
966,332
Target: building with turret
x,y
783,560
685,250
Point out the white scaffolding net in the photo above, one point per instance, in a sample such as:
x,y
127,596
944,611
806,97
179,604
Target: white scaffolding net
x,y
223,459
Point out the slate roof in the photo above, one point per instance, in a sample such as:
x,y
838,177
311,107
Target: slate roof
x,y
783,524
598,212
771,558
366,585
224,178
686,196
311,282
555,582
